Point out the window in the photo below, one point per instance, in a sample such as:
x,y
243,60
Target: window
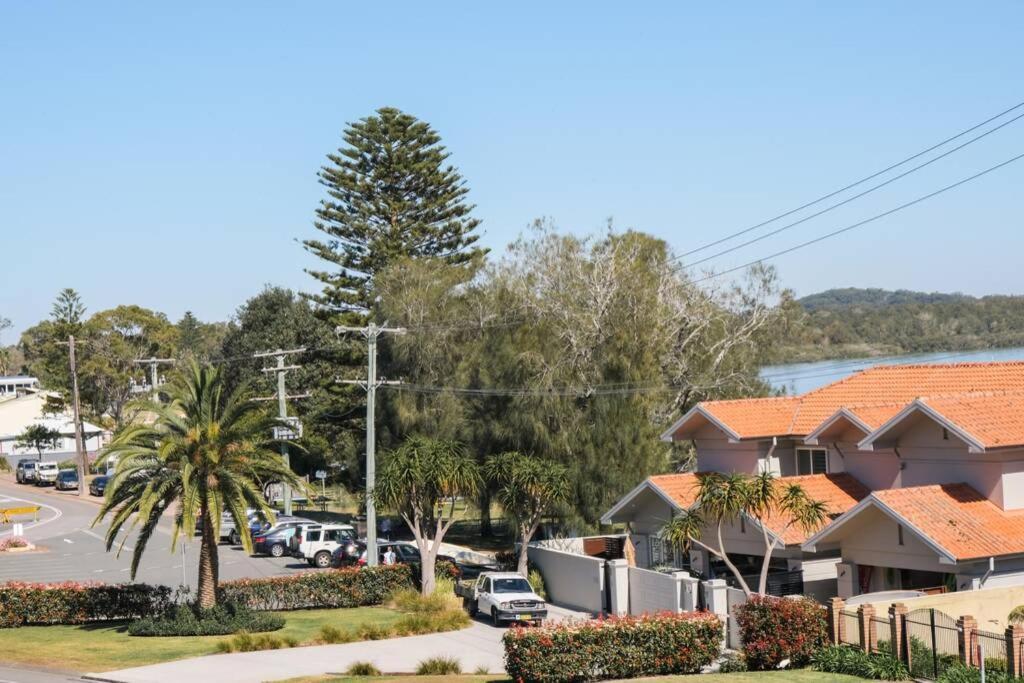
x,y
899,534
811,461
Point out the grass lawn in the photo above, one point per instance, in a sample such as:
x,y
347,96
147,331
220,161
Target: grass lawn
x,y
104,647
797,676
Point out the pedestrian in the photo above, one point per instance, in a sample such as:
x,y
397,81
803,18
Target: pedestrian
x,y
389,556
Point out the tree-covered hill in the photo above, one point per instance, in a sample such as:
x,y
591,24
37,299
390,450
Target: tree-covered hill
x,y
854,322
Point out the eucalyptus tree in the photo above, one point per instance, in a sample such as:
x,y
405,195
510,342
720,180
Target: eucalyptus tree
x,y
527,488
424,480
767,500
207,451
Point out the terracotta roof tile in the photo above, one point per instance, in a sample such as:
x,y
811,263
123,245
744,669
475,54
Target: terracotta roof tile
x,y
958,519
878,393
839,492
993,420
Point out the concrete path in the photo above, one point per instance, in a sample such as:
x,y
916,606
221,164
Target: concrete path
x,y
478,646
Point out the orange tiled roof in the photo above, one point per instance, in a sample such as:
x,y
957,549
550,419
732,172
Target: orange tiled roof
x,y
875,395
993,420
958,519
839,492
681,488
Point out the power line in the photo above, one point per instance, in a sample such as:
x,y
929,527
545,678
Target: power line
x,y
858,224
849,199
851,185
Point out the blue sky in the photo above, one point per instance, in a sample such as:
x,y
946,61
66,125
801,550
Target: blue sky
x,y
167,155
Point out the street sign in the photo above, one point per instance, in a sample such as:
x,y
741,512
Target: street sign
x,y
320,474
290,431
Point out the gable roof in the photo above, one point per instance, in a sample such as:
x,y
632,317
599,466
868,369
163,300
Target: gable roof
x,y
839,492
956,520
968,391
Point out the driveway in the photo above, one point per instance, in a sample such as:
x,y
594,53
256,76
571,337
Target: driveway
x,y
478,646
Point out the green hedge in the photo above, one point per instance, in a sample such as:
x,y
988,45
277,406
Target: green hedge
x,y
78,603
318,589
775,629
651,645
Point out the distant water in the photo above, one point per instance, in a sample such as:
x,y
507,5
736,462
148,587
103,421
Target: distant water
x,y
796,378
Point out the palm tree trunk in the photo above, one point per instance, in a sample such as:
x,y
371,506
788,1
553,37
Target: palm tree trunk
x,y
208,564
427,579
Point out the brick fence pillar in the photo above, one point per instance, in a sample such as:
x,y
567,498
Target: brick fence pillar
x,y
866,624
967,640
898,633
835,620
1014,635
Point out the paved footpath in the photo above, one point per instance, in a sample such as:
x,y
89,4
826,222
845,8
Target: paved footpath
x,y
478,646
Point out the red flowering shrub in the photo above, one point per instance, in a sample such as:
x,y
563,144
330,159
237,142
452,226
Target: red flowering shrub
x,y
651,645
77,603
350,587
774,629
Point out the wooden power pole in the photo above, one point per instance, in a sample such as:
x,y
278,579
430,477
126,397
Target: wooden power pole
x,y
83,457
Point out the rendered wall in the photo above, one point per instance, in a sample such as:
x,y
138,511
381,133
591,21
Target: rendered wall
x,y
574,581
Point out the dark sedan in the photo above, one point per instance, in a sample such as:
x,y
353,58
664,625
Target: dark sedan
x,y
66,480
98,485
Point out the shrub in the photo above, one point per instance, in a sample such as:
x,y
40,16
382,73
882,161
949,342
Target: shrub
x,y
374,632
246,642
362,669
536,580
332,635
439,666
350,587
13,541
189,620
732,663
627,647
776,629
411,600
958,673
78,603
842,659
417,623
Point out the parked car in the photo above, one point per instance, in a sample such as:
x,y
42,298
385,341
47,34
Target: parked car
x,y
97,486
316,543
66,480
228,532
505,596
274,540
407,553
46,473
26,471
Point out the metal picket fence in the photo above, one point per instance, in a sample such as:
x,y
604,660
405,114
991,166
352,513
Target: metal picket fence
x,y
850,627
992,648
883,634
934,642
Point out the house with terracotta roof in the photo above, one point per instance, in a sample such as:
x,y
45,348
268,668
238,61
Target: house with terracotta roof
x,y
921,467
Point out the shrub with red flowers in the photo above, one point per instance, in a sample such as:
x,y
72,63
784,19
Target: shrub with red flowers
x,y
78,603
627,647
350,587
775,629
13,542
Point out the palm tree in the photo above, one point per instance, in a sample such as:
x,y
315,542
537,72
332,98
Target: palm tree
x,y
206,451
723,497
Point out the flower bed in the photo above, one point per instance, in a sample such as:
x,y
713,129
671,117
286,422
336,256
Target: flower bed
x,y
78,603
332,588
628,647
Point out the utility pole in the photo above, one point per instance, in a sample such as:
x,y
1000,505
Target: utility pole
x,y
282,410
83,458
371,332
153,364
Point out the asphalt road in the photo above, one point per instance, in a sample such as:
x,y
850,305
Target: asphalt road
x,y
72,550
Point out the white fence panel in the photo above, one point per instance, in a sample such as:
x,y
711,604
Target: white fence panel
x,y
651,591
574,581
734,598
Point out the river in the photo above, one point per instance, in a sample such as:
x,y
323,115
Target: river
x,y
796,378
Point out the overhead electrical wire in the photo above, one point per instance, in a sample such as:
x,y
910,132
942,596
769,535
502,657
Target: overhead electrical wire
x,y
851,185
859,224
849,199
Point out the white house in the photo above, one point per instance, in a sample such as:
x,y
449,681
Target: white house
x,y
18,413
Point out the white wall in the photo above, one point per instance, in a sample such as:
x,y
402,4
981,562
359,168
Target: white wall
x,y
715,453
574,581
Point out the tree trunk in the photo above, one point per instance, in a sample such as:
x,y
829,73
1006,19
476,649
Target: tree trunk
x,y
762,586
208,564
485,512
428,581
525,536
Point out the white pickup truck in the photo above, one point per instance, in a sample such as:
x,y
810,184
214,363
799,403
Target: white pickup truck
x,y
505,596
46,473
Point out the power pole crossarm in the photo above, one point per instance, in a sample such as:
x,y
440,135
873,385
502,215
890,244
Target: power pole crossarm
x,y
370,332
154,364
282,404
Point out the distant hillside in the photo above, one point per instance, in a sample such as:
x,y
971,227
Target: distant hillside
x,y
852,322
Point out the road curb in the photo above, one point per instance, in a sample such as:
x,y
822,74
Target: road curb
x,y
49,491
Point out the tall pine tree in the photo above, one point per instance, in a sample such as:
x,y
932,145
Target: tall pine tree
x,y
392,195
